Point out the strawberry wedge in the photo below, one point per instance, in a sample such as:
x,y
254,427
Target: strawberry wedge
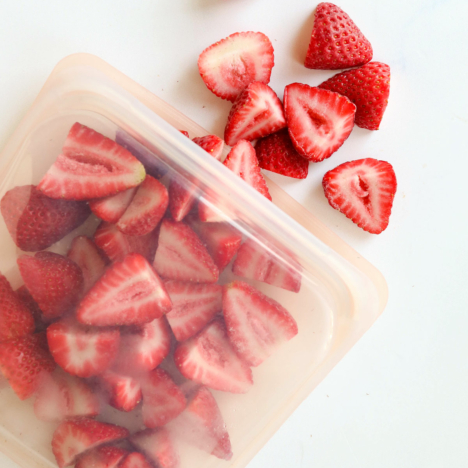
x,y
157,446
91,166
111,208
124,392
129,293
102,457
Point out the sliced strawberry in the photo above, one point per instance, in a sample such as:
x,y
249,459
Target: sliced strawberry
x,y
129,293
256,263
231,64
363,191
146,209
81,350
209,359
256,324
25,363
135,460
40,321
46,269
86,255
319,121
162,399
77,435
207,214
182,256
336,42
124,391
368,87
193,306
157,446
256,113
276,153
243,162
212,144
111,208
102,457
35,221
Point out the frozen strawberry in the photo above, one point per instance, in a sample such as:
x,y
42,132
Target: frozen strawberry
x,y
212,144
157,446
182,256
111,208
193,306
102,457
336,42
276,153
145,210
46,269
243,162
80,350
230,65
135,460
257,112
256,324
82,401
15,318
256,263
124,392
87,256
368,87
209,359
75,436
363,191
25,363
35,221
129,293
162,399
91,166
319,121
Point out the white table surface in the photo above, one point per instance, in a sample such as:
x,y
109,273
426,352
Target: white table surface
x,y
400,397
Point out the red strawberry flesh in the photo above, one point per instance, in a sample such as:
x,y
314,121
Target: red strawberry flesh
x,y
111,208
124,391
157,446
102,457
135,460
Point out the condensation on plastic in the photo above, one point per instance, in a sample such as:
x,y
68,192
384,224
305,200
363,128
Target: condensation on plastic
x,y
341,295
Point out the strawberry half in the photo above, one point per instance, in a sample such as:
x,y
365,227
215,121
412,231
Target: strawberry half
x,y
209,359
256,113
363,191
77,435
368,87
157,446
182,256
319,121
111,208
230,65
135,460
46,269
35,221
276,153
336,42
124,392
80,350
162,399
129,293
242,160
25,364
256,324
212,144
193,306
102,457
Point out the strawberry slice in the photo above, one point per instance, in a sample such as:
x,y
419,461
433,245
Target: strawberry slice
x,y
256,263
146,209
80,350
86,255
276,153
77,435
35,221
256,113
212,144
157,446
209,359
162,399
368,87
48,268
363,191
25,364
135,460
102,457
319,121
193,306
15,318
111,208
231,64
336,42
182,256
124,392
256,324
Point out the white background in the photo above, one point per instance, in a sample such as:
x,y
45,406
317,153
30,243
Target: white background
x,y
400,397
